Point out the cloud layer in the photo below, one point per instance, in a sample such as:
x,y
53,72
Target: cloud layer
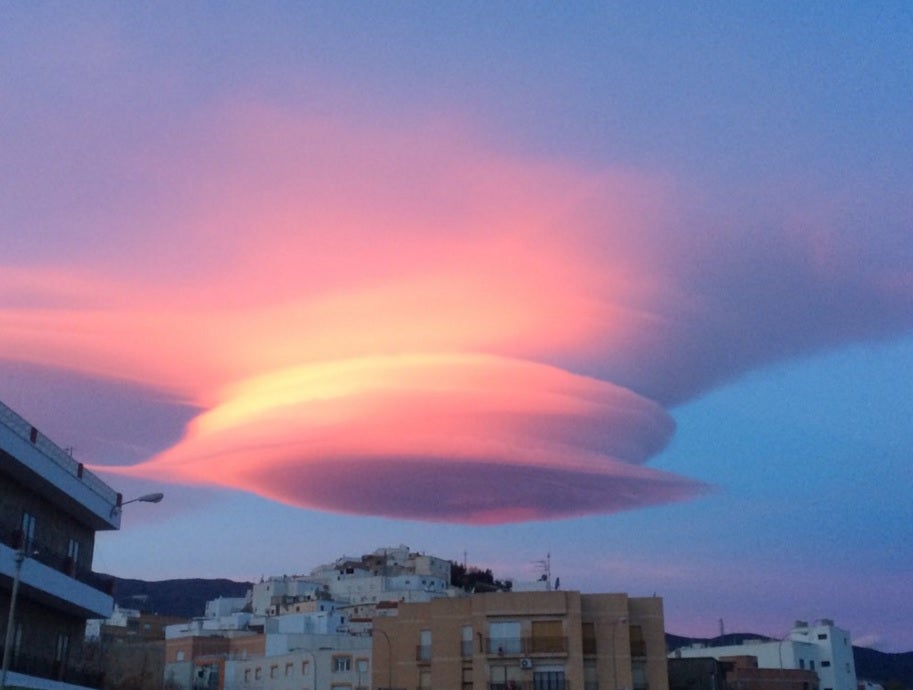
x,y
405,322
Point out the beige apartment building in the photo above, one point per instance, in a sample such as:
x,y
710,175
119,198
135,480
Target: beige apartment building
x,y
554,640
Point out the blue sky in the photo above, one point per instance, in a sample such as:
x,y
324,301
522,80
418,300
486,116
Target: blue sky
x,y
696,213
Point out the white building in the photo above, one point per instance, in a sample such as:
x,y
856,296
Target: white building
x,y
821,647
387,574
303,632
119,618
50,509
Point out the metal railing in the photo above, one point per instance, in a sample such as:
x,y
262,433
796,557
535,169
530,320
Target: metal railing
x,y
45,667
17,424
41,552
553,684
522,646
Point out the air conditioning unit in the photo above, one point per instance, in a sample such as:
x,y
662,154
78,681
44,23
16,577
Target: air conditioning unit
x,y
526,664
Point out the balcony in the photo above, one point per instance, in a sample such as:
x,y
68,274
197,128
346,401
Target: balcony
x,y
55,581
526,646
41,552
38,666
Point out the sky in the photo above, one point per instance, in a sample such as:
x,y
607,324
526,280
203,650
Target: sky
x,y
622,284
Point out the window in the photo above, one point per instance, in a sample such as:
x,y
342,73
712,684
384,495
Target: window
x,y
638,643
802,664
548,680
504,638
28,531
72,557
811,664
822,636
548,637
848,667
304,667
639,675
179,656
247,675
361,665
63,647
467,679
17,640
825,664
466,640
289,667
424,646
589,638
272,670
342,663
257,673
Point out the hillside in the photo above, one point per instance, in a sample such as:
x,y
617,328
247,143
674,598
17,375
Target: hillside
x,y
183,598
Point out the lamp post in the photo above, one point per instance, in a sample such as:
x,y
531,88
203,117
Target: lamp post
x,y
389,656
145,498
11,618
615,624
313,661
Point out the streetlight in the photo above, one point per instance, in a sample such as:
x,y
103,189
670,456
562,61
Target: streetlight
x,y
375,629
614,653
11,618
313,661
145,498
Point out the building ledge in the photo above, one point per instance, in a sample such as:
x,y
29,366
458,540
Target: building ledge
x,y
51,587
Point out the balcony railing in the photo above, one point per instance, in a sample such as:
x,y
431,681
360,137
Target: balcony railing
x,y
523,646
43,667
552,684
25,430
41,552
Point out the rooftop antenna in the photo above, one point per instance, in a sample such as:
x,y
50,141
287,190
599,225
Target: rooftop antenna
x,y
546,566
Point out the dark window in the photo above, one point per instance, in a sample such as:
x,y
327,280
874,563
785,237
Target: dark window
x,y
825,664
548,680
28,531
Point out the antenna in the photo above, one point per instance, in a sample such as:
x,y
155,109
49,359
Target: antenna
x,y
546,566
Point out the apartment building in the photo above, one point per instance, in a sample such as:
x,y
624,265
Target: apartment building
x,y
553,640
50,509
821,647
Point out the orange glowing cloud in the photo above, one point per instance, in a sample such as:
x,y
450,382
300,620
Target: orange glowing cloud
x,y
405,323
473,438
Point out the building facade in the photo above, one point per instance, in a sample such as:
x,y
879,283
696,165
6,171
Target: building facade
x,y
821,647
50,509
556,640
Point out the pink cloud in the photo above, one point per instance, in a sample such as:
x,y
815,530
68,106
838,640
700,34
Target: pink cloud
x,y
447,437
403,322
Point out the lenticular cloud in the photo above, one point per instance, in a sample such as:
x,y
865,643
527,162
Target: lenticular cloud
x,y
447,437
375,325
